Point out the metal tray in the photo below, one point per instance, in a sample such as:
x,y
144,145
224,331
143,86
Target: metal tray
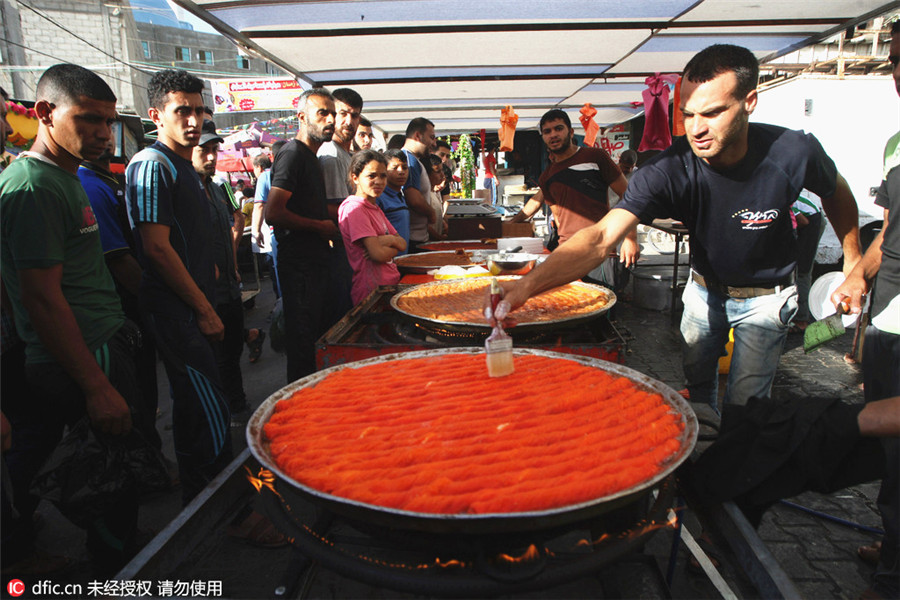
x,y
439,326
435,256
475,523
452,245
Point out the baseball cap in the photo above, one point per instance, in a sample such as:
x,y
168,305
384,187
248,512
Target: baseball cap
x,y
209,134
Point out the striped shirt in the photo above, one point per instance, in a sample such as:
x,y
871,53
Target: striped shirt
x,y
167,191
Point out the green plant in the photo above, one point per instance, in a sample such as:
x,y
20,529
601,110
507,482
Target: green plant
x,y
468,172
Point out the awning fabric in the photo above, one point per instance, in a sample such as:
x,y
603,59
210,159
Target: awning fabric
x,y
459,62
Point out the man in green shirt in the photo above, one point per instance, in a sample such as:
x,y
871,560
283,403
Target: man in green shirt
x,y
79,355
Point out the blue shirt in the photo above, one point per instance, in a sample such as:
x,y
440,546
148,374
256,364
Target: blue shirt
x,y
415,171
263,185
394,206
105,202
179,202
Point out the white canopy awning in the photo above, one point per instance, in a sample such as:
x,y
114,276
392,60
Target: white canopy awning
x,y
459,62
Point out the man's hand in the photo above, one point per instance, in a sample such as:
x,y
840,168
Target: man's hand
x,y
630,252
511,300
108,411
211,326
259,240
328,230
852,292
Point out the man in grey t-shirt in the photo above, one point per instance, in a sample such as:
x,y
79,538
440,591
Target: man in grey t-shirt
x,y
334,158
420,142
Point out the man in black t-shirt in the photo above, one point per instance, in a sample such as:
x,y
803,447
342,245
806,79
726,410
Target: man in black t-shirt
x,y
173,238
732,183
297,209
881,349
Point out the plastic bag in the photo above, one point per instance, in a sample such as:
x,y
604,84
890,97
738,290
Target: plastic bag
x,y
591,129
86,475
507,133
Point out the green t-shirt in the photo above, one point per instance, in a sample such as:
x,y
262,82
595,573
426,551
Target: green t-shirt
x,y
46,220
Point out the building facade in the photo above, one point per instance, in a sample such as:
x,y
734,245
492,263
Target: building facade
x,y
125,43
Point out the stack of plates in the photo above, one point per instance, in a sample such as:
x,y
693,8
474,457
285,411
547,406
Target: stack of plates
x,y
533,245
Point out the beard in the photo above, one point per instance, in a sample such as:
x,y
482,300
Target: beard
x,y
723,140
563,147
320,135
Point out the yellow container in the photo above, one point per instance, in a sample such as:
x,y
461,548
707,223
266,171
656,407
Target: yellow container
x,y
725,361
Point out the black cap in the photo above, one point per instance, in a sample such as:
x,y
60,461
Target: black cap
x,y
209,134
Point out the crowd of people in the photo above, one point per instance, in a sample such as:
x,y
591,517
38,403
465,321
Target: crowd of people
x,y
101,276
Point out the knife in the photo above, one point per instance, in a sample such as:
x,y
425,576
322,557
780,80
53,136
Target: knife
x,y
825,330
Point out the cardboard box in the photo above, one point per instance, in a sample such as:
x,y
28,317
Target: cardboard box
x,y
511,229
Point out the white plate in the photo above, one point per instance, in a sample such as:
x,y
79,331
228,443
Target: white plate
x,y
820,292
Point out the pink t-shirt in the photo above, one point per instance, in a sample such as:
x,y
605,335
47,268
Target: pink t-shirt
x,y
360,219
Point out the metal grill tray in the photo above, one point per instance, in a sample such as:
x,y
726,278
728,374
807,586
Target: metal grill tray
x,y
476,523
438,325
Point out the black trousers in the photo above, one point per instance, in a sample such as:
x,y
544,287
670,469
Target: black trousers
x,y
38,420
305,287
228,353
881,377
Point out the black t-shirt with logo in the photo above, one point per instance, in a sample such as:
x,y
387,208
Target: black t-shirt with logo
x,y
887,284
739,220
297,170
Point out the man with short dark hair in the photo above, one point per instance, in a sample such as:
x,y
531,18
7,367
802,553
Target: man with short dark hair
x,y
79,355
732,184
420,142
881,349
298,209
391,200
576,182
364,136
443,149
627,164
575,185
170,215
334,157
261,234
228,290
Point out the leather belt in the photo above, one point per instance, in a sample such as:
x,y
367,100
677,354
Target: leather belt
x,y
764,289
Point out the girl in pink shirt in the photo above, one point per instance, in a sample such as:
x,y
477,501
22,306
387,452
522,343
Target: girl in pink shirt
x,y
370,239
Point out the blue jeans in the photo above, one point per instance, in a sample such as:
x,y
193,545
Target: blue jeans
x,y
760,328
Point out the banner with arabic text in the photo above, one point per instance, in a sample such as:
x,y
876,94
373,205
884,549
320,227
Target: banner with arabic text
x,y
245,95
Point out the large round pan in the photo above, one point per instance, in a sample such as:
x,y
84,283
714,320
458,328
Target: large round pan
x,y
476,524
428,261
439,326
451,245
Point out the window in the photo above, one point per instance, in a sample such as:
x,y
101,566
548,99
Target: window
x,y
146,46
205,56
182,54
243,62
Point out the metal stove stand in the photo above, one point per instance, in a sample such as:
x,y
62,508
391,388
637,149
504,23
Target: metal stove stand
x,y
194,542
